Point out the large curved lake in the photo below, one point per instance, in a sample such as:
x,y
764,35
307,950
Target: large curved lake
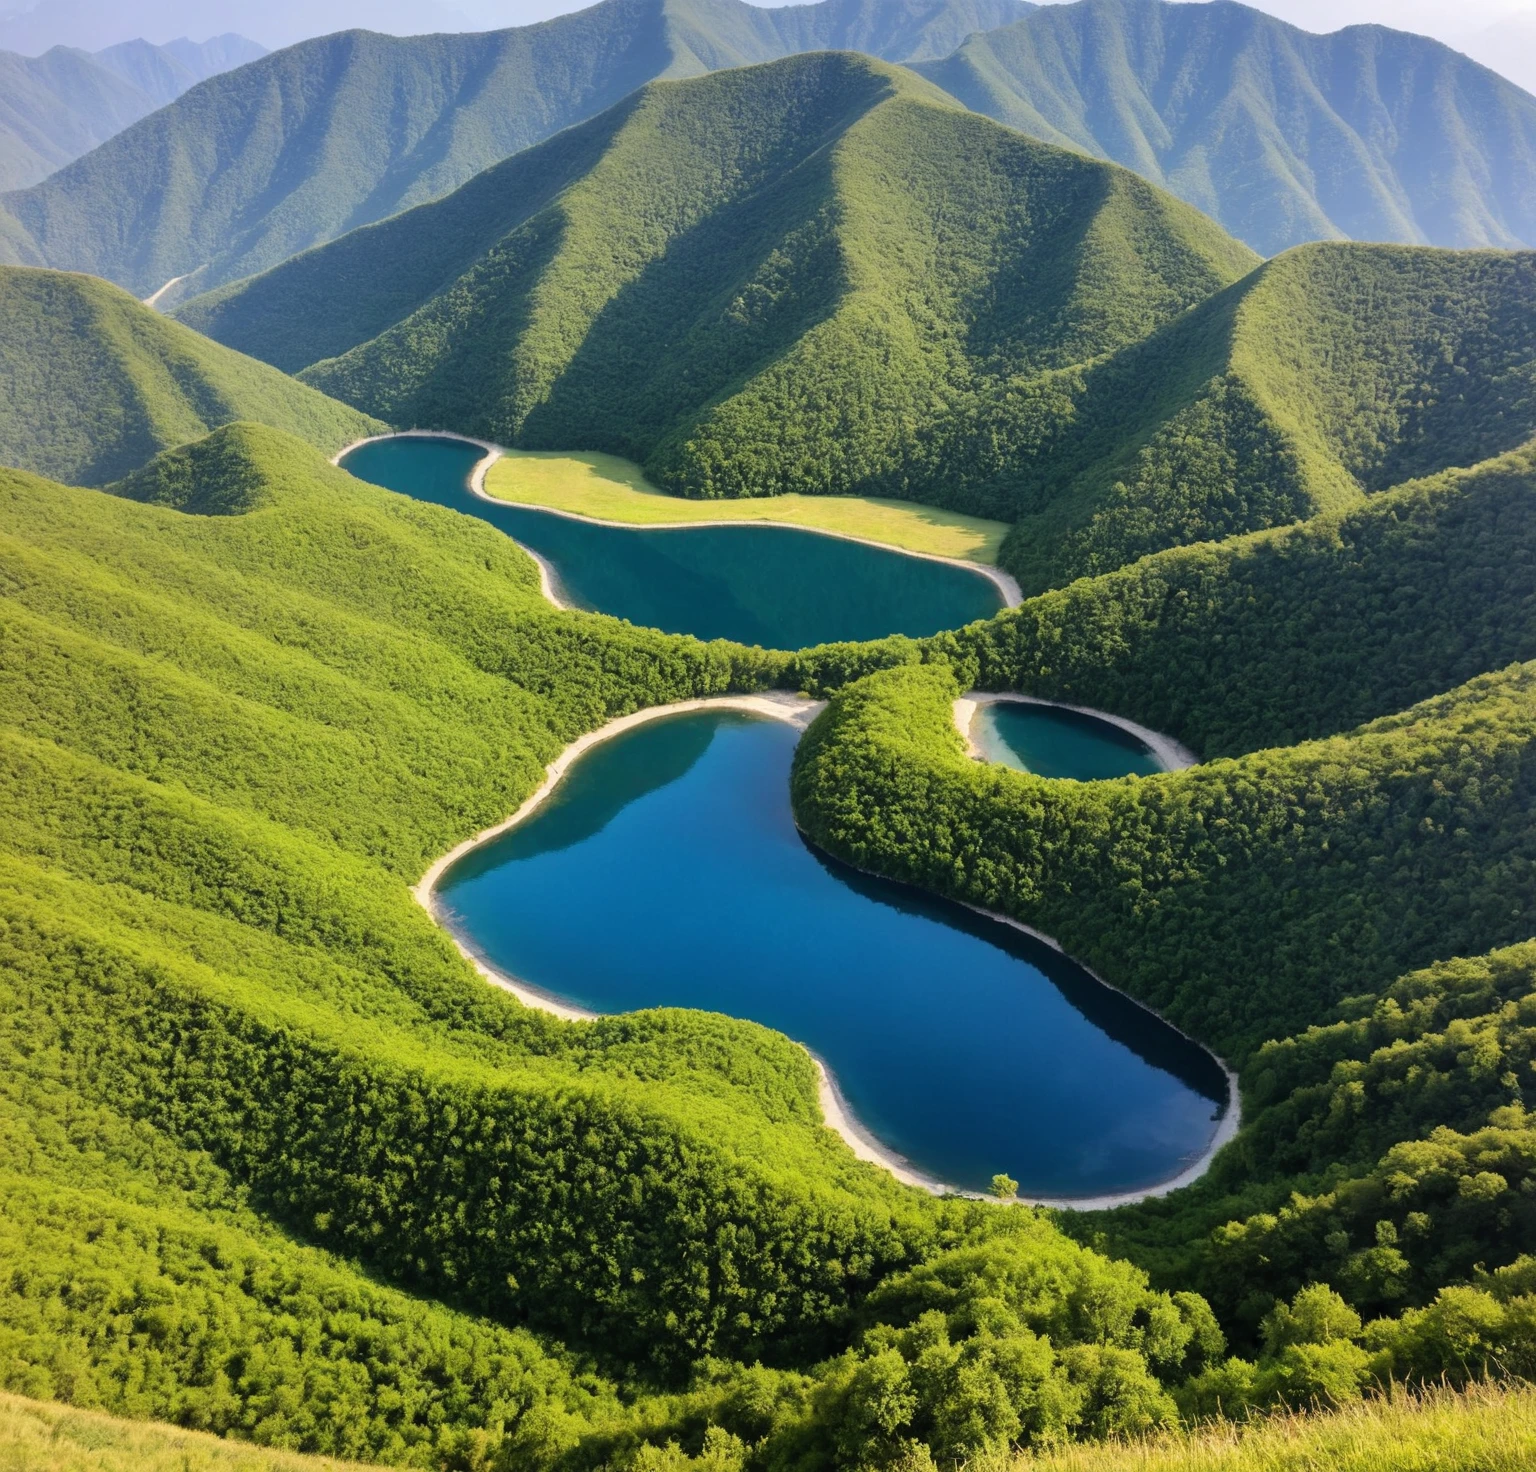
x,y
780,587
666,870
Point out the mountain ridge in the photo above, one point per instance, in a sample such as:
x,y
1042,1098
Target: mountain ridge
x,y
224,183
1281,135
62,104
819,274
905,300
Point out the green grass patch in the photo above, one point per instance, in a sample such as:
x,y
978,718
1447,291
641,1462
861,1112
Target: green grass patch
x,y
610,488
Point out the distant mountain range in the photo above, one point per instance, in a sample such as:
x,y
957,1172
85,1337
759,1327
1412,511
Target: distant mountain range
x,y
334,133
90,25
1281,135
57,106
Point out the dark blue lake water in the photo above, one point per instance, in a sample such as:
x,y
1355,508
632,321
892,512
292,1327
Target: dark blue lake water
x,y
666,870
1052,742
776,586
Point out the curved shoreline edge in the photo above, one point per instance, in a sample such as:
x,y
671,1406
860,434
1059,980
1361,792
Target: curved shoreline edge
x,y
798,711
1174,755
1006,584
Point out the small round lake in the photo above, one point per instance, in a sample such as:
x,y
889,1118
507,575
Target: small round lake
x,y
666,870
1052,742
781,587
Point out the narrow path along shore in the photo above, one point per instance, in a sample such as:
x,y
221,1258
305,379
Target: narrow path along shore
x,y
1006,585
1174,755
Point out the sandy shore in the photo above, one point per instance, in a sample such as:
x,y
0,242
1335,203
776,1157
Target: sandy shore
x,y
1174,755
1006,585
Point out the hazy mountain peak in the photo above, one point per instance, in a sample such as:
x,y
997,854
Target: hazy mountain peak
x,y
59,105
1282,135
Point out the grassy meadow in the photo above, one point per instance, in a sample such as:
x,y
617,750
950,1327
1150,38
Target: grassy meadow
x,y
1482,1430
610,488
43,1436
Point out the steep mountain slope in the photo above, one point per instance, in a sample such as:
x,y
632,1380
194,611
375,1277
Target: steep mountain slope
x,y
1281,135
350,128
815,275
57,106
1334,371
93,383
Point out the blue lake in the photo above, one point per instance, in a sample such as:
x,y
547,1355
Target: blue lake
x,y
1052,742
666,870
780,587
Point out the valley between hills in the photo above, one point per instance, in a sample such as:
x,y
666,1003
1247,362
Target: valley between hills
x,y
415,1054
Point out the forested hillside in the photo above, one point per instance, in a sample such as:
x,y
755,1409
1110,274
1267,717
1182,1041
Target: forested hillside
x,y
752,282
248,1084
93,383
236,730
794,309
1282,135
1332,372
336,132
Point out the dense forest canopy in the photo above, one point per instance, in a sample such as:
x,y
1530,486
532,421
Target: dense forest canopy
x,y
275,1161
250,697
96,384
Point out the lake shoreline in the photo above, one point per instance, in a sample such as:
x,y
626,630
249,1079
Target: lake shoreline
x,y
1006,585
798,711
1173,754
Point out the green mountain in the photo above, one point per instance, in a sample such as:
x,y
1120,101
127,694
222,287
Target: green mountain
x,y
95,383
346,129
1330,373
57,106
1281,135
815,275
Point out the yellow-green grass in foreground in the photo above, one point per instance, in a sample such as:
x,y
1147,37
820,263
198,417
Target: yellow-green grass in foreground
x,y
43,1436
1485,1429
608,488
